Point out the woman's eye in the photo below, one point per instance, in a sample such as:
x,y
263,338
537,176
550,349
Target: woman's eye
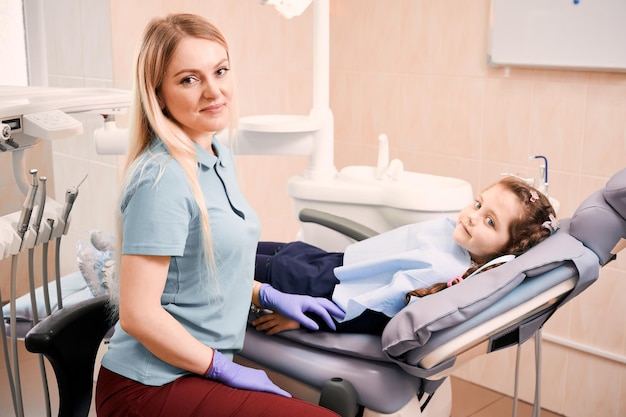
x,y
222,71
188,80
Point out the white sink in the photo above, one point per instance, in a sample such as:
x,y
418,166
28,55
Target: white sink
x,y
413,190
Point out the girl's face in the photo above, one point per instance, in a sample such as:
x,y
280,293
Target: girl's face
x,y
197,90
483,226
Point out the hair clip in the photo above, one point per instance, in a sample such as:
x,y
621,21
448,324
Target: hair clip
x,y
552,225
452,281
533,196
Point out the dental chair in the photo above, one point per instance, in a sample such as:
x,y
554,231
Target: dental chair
x,y
422,344
419,347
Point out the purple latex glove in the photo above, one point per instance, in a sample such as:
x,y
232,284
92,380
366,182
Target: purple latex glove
x,y
237,376
294,306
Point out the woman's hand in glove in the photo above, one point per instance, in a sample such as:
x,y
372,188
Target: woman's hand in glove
x,y
237,376
294,306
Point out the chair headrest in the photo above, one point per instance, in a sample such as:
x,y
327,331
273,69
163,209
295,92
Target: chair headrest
x,y
600,221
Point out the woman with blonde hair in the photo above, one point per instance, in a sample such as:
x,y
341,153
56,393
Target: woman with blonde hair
x,y
188,238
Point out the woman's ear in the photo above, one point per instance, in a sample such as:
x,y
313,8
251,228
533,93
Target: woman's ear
x,y
160,101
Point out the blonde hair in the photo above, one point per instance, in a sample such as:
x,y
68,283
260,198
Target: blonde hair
x,y
147,120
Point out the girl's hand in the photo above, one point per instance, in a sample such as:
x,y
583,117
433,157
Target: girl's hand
x,y
273,323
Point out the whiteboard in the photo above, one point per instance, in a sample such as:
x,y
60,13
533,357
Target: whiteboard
x,y
584,34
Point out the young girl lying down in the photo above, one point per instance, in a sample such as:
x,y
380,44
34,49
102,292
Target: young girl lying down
x,y
375,278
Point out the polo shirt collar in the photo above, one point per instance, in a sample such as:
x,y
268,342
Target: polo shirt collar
x,y
207,159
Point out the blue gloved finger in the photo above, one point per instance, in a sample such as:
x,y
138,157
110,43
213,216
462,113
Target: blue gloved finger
x,y
321,311
275,389
307,322
333,309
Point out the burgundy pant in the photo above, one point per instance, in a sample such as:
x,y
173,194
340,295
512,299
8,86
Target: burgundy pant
x,y
193,396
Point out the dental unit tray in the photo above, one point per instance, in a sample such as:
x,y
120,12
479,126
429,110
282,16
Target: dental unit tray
x,y
422,344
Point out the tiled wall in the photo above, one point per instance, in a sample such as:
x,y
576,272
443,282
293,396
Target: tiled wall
x,y
416,70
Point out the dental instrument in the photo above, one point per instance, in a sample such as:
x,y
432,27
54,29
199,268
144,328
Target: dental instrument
x,y
70,198
27,207
42,204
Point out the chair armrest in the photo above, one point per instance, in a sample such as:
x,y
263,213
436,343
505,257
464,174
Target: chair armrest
x,y
70,339
345,226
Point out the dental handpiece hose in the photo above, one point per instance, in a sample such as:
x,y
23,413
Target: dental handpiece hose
x,y
36,227
31,278
31,251
22,227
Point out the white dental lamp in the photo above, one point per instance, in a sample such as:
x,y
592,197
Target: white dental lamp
x,y
310,135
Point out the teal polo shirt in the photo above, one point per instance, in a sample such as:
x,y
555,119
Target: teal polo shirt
x,y
160,217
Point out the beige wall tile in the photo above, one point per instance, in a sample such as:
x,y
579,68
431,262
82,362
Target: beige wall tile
x,y
506,120
464,34
601,303
441,115
419,37
588,374
604,150
557,124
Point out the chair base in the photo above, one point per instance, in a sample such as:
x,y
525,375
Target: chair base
x,y
439,406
